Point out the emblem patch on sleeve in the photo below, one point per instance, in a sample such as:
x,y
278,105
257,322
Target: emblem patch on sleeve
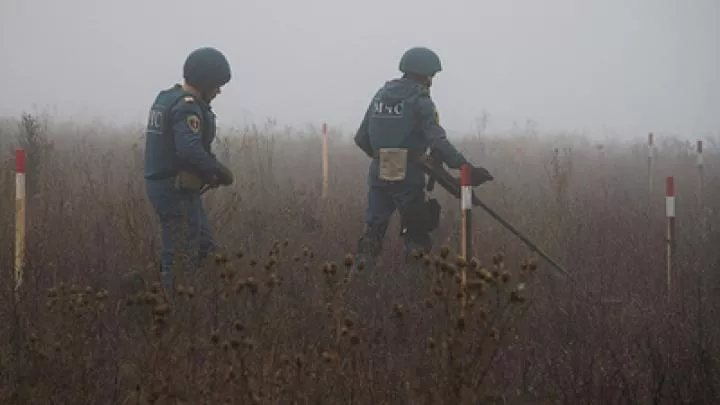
x,y
193,122
437,117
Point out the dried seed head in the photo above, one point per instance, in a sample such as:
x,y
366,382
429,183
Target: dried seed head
x,y
484,275
348,262
498,258
505,276
398,310
474,264
444,251
220,259
460,262
190,291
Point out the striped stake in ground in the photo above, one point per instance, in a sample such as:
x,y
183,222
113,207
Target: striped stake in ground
x,y
651,143
466,197
701,186
325,161
670,240
20,205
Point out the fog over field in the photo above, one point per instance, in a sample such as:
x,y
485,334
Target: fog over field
x,y
615,67
555,98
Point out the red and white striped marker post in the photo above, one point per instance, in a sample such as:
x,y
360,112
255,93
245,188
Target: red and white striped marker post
x,y
466,194
670,241
20,204
701,180
325,161
701,188
651,144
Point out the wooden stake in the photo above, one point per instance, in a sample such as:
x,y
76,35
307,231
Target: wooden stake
x,y
670,241
20,209
325,161
466,247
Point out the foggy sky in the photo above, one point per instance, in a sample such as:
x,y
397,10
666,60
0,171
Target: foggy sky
x,y
629,65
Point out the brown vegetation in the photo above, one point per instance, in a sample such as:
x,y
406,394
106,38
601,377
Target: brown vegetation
x,y
284,316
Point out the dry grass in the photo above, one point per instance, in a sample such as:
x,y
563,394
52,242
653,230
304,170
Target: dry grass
x,y
283,316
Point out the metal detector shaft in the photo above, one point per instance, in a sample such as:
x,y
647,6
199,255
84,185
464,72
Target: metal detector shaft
x,y
451,184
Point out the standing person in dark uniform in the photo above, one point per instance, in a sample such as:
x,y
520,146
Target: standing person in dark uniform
x,y
179,161
399,126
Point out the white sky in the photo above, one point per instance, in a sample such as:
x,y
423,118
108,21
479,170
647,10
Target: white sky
x,y
630,65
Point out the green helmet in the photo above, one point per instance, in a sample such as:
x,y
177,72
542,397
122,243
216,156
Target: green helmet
x,y
206,68
420,61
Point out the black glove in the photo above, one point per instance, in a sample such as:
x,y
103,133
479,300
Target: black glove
x,y
480,175
224,176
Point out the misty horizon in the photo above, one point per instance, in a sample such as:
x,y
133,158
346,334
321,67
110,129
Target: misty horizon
x,y
620,68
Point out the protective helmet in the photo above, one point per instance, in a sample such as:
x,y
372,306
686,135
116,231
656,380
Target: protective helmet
x,y
420,61
206,68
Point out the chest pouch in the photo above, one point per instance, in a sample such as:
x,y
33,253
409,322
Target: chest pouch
x,y
393,164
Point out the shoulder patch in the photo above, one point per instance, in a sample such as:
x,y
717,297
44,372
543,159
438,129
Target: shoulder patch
x,y
437,116
189,99
193,122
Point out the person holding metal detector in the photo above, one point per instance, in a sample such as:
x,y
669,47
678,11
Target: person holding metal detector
x,y
179,163
399,126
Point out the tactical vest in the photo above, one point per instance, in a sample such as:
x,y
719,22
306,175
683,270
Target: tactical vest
x,y
393,120
161,160
393,123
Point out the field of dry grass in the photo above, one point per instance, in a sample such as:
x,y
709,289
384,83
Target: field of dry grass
x,y
284,317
